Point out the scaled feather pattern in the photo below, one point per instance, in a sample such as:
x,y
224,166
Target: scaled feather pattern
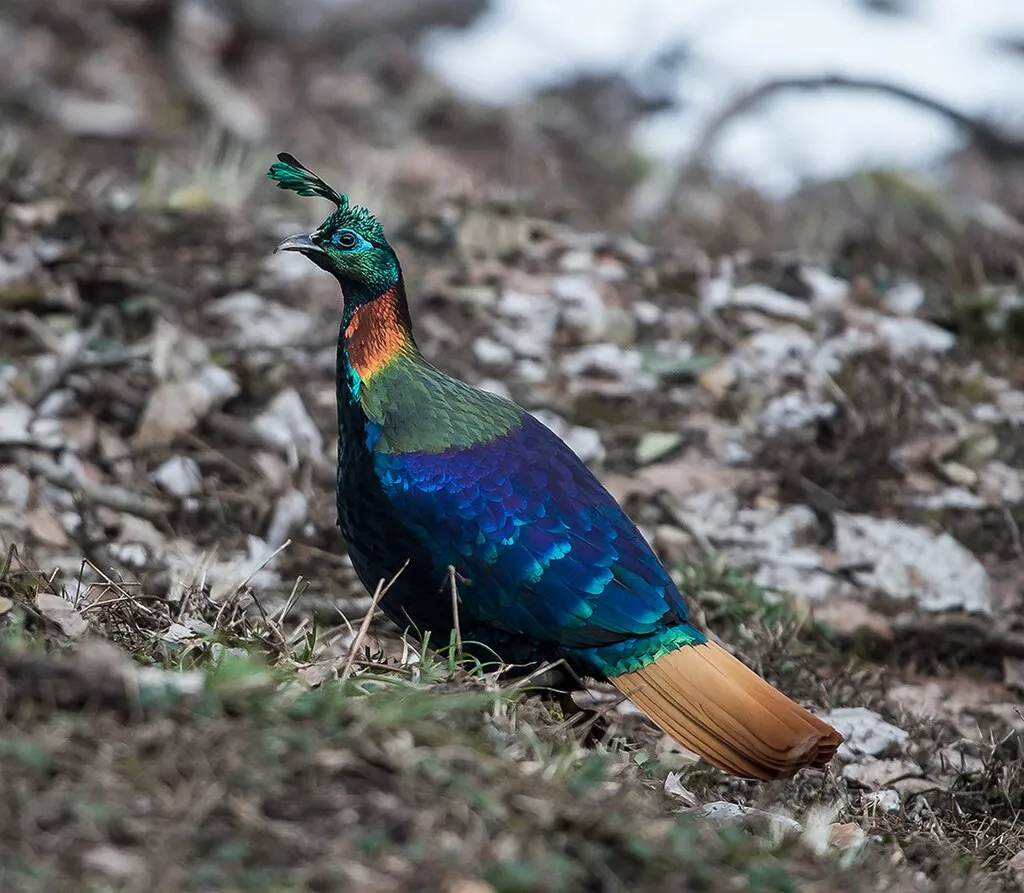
x,y
543,548
439,481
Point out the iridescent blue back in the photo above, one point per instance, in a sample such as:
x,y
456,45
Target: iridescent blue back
x,y
542,549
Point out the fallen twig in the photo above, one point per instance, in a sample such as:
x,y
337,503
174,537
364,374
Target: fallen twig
x,y
966,633
244,432
108,495
357,642
65,362
455,611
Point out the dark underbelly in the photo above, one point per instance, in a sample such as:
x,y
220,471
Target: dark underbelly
x,y
419,600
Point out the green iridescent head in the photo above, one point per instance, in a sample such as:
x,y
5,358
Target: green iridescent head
x,y
349,244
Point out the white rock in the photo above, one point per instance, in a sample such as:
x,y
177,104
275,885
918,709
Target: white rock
x,y
177,355
717,515
115,863
865,733
287,422
647,313
46,433
791,412
531,371
767,359
259,322
15,417
603,359
834,352
716,291
607,369
220,383
290,266
1002,482
15,487
290,513
489,352
608,269
734,452
887,800
1011,405
907,335
583,308
55,404
904,299
496,387
584,442
951,498
577,260
635,252
177,406
799,572
771,302
131,554
18,262
828,290
526,323
179,475
912,563
255,566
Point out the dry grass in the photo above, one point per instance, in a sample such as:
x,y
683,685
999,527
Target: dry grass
x,y
271,776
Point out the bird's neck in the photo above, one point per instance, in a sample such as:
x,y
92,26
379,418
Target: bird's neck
x,y
377,332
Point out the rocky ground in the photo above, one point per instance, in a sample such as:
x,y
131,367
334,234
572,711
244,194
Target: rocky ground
x,y
814,410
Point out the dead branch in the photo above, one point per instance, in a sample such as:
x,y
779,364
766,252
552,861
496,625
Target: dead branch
x,y
340,28
357,642
107,495
990,139
966,633
242,431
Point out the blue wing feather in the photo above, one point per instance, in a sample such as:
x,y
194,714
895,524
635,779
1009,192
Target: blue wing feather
x,y
545,549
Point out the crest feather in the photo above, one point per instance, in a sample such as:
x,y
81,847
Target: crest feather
x,y
291,174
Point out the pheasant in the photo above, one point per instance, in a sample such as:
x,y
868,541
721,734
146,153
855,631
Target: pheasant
x,y
437,478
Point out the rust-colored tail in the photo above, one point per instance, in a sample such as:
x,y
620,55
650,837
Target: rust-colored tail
x,y
714,705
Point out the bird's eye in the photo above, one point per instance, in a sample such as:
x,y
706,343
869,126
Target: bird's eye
x,y
346,239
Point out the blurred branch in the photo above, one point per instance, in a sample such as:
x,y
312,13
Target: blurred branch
x,y
990,139
338,27
95,493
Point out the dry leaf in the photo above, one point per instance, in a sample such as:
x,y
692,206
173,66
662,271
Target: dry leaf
x,y
845,835
674,788
46,527
174,408
60,612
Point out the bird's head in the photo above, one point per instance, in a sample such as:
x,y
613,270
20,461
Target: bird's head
x,y
349,244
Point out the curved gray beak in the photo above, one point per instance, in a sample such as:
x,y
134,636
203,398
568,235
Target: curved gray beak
x,y
299,242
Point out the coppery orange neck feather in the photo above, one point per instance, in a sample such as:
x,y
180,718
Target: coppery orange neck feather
x,y
377,333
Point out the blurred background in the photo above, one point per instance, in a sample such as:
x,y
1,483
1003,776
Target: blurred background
x,y
759,265
607,111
